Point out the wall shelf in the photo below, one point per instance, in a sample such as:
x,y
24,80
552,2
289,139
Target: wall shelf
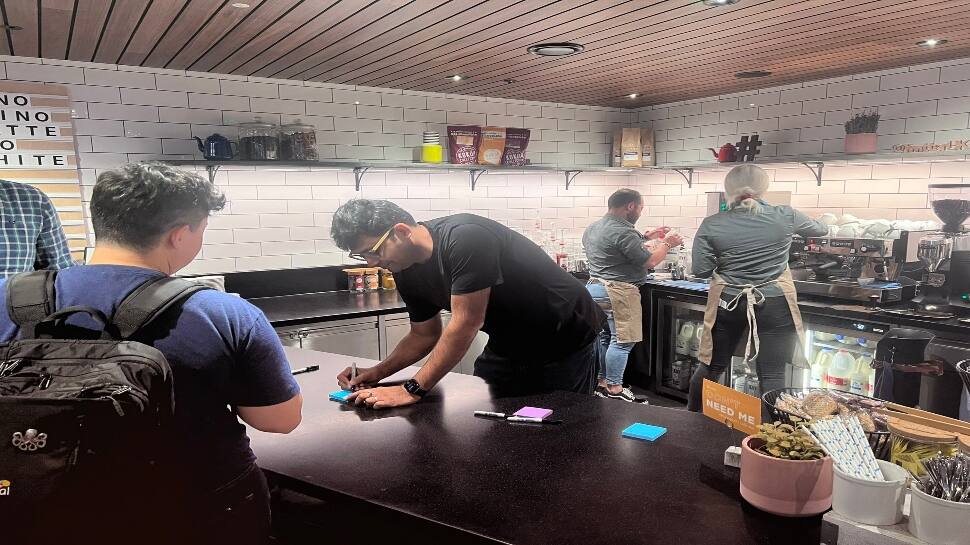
x,y
816,163
360,168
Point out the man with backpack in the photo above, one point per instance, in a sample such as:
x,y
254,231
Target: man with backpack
x,y
82,413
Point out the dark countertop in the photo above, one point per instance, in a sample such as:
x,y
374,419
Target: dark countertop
x,y
952,329
332,305
488,481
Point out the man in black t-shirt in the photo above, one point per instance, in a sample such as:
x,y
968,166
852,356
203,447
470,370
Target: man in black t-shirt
x,y
542,323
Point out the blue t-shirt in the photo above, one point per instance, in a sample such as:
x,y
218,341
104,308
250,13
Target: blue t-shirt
x,y
223,353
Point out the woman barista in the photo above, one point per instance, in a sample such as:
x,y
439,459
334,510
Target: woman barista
x,y
745,249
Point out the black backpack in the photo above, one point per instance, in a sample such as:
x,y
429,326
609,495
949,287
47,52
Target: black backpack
x,y
84,413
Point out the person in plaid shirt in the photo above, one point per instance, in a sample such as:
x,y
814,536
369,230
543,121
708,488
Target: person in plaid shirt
x,y
31,237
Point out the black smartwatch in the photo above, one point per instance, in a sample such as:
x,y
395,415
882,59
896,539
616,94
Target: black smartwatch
x,y
412,387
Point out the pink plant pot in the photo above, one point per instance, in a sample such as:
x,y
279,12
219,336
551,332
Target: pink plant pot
x,y
861,143
791,488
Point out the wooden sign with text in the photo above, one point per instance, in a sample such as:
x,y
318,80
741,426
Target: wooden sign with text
x,y
37,147
732,408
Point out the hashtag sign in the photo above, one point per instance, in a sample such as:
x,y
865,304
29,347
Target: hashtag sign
x,y
746,150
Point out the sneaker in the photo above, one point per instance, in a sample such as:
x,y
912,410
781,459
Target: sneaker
x,y
624,394
600,392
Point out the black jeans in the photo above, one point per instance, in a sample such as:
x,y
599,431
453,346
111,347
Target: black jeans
x,y
508,377
237,513
778,340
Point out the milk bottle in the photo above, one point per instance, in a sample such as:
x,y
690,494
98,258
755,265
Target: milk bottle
x,y
684,336
820,368
841,368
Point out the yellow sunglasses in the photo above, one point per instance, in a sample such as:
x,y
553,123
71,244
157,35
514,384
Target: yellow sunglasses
x,y
373,252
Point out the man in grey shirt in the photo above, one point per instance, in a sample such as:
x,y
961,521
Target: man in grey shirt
x,y
618,262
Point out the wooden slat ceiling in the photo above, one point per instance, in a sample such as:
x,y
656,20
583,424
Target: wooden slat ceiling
x,y
663,50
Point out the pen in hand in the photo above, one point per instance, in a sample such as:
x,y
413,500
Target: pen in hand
x,y
353,374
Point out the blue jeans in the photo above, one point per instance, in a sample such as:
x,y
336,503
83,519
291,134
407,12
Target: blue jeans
x,y
613,355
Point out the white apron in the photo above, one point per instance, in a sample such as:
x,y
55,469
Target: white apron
x,y
753,297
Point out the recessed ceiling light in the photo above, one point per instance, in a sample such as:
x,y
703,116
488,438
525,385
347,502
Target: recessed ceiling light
x,y
356,102
240,5
456,77
750,105
753,74
508,81
720,2
556,49
931,42
632,95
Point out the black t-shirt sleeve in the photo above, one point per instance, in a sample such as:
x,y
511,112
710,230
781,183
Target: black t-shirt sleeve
x,y
419,309
474,258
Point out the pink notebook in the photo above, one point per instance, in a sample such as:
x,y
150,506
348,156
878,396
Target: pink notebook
x,y
533,412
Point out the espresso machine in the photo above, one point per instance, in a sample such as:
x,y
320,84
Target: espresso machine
x,y
945,286
857,269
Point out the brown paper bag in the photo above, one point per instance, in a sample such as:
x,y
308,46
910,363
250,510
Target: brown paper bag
x,y
647,154
630,148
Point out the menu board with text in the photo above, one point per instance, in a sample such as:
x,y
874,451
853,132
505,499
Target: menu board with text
x,y
37,147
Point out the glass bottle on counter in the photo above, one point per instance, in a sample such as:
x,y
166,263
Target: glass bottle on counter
x,y
298,142
562,257
258,141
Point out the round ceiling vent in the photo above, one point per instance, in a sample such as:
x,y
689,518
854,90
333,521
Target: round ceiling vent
x,y
556,49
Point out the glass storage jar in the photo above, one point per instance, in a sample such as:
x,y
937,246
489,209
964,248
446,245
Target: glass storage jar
x,y
298,142
258,141
912,443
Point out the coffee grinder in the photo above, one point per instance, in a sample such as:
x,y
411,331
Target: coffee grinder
x,y
946,253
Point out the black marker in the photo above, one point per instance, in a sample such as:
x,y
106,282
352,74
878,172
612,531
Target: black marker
x,y
306,369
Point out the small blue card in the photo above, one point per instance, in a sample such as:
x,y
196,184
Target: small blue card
x,y
644,432
340,396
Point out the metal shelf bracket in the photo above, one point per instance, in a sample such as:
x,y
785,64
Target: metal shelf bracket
x,y
816,168
687,173
474,174
570,176
212,170
359,175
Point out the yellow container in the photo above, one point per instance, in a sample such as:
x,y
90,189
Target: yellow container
x,y
387,280
431,153
913,442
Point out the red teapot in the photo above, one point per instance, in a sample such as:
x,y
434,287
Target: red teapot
x,y
727,154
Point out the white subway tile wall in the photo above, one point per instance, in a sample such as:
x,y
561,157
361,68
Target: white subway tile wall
x,y
278,218
282,219
918,105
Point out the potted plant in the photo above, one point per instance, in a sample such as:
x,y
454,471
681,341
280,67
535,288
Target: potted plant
x,y
785,472
860,133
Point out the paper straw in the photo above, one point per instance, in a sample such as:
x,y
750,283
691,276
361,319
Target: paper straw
x,y
849,460
846,443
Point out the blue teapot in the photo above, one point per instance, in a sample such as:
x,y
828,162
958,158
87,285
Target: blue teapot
x,y
216,147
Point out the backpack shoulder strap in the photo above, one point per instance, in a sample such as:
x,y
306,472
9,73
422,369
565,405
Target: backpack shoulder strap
x,y
31,298
151,300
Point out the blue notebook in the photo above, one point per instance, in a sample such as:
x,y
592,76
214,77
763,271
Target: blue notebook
x,y
644,432
340,396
